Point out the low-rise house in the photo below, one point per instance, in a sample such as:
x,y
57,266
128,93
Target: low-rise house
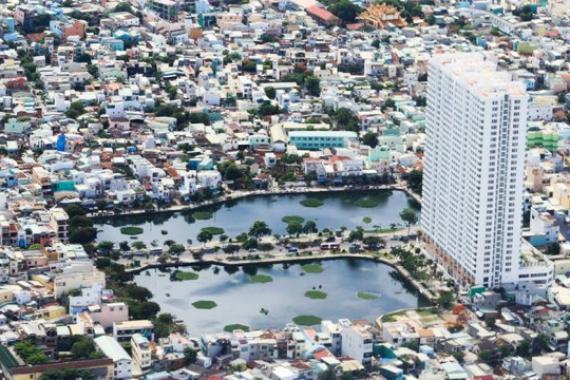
x,y
125,330
113,350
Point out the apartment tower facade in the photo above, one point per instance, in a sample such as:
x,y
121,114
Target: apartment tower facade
x,y
474,168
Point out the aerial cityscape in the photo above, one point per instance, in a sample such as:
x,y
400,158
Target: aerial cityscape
x,y
284,189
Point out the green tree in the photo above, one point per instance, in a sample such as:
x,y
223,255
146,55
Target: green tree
x,y
83,348
357,234
143,310
176,249
75,110
250,243
345,10
204,236
268,38
82,235
138,245
93,70
389,103
313,85
105,246
485,356
30,353
231,172
523,349
136,292
505,350
370,139
67,374
74,210
268,109
415,179
259,228
164,325
409,216
459,356
294,228
190,355
123,7
249,66
445,299
310,227
199,118
539,344
553,249
346,120
270,92
124,246
372,240
525,12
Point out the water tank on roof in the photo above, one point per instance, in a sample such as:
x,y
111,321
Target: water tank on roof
x,y
60,145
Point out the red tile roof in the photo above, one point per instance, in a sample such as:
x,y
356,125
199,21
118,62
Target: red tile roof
x,y
321,13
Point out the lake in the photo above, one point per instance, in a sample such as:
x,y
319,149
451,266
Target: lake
x,y
339,209
240,299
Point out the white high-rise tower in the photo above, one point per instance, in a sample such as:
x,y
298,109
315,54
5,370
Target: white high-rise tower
x,y
474,168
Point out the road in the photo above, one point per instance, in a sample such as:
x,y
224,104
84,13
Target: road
x,y
392,239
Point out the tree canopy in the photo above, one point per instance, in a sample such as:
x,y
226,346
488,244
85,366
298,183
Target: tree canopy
x,y
345,10
259,228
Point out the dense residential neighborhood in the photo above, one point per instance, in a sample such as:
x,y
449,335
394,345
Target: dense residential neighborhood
x,y
284,189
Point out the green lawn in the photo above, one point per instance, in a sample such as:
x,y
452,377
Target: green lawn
x,y
428,316
185,276
214,230
391,317
293,219
204,304
235,326
307,320
202,215
383,230
260,278
367,202
312,202
315,294
312,268
131,230
427,312
367,296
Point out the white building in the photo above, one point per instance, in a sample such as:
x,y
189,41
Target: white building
x,y
356,341
543,224
75,276
141,351
113,350
474,168
124,330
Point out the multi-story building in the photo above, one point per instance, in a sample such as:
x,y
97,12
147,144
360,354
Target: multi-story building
x,y
474,168
166,9
123,331
315,140
58,221
141,351
75,276
357,340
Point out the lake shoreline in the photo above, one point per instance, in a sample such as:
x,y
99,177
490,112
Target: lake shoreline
x,y
258,193
407,278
